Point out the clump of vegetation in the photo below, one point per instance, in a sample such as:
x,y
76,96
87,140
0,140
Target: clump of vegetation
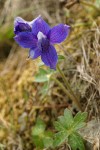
x,y
67,128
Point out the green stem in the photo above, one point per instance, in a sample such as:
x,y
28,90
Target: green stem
x,y
65,80
72,95
64,89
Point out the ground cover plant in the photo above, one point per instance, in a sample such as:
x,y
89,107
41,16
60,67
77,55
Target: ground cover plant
x,y
50,75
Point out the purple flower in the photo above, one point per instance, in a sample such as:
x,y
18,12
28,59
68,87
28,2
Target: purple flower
x,y
39,37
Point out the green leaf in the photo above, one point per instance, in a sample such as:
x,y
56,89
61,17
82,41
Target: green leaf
x,y
79,120
44,89
79,126
41,138
38,141
80,117
76,142
58,126
61,119
48,142
41,76
68,118
39,128
67,126
59,138
48,133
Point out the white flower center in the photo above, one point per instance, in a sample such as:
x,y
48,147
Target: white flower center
x,y
40,35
